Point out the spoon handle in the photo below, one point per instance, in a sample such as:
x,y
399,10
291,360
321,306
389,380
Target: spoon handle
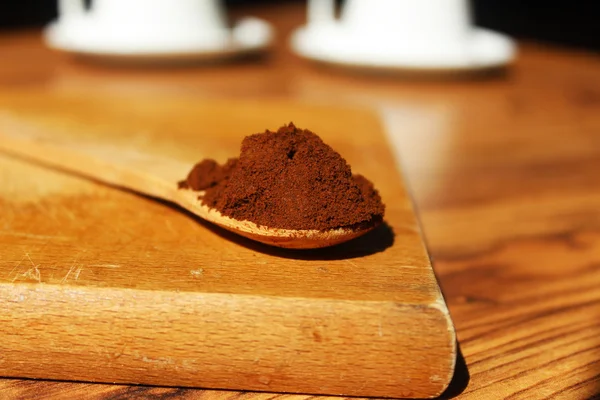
x,y
124,167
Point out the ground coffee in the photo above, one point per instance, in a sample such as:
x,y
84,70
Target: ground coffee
x,y
287,179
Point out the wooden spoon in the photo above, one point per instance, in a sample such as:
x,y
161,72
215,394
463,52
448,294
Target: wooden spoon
x,y
153,176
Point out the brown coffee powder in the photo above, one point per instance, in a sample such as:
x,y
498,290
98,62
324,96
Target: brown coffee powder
x,y
287,179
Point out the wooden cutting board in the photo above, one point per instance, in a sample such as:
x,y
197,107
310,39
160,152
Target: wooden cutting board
x,y
100,284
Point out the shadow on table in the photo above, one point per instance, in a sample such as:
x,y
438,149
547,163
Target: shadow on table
x,y
461,377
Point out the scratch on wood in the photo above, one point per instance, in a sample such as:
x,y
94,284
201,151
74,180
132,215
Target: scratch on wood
x,y
105,265
32,273
74,269
33,236
69,214
197,273
159,360
170,227
64,280
15,267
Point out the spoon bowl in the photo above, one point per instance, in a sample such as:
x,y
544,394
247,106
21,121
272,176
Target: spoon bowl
x,y
151,175
286,238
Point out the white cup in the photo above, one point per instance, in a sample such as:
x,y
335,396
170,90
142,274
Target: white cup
x,y
155,23
408,26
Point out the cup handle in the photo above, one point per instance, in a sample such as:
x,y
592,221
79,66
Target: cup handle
x,y
71,8
320,11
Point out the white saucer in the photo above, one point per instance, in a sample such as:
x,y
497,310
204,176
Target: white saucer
x,y
332,45
248,36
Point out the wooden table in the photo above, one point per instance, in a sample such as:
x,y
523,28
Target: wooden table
x,y
505,173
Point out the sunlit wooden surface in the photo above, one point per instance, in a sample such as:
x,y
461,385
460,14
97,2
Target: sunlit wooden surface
x,y
504,170
92,291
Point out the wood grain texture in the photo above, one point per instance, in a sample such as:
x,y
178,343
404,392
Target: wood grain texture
x,y
141,293
504,172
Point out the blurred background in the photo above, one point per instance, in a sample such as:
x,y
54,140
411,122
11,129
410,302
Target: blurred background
x,y
567,23
503,168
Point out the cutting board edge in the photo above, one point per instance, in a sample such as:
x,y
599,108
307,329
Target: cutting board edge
x,y
67,307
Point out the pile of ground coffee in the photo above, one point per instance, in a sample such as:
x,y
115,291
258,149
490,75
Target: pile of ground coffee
x,y
287,179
